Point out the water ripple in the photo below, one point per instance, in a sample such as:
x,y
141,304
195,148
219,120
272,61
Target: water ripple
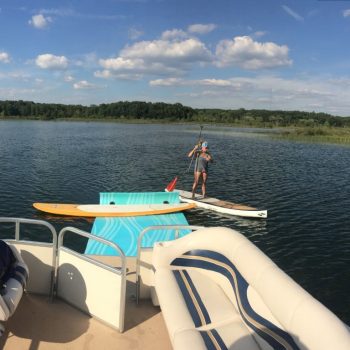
x,y
305,187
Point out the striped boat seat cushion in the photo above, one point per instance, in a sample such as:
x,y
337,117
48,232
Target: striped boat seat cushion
x,y
202,298
232,336
208,260
208,298
19,273
205,300
7,260
11,266
13,286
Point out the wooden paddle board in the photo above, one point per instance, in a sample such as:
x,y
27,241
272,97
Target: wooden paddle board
x,y
97,210
221,206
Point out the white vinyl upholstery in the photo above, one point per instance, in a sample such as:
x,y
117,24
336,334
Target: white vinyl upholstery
x,y
12,292
217,290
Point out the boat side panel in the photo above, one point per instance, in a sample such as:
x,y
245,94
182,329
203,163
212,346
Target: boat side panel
x,y
92,289
38,258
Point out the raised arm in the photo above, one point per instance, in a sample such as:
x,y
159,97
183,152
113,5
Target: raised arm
x,y
193,151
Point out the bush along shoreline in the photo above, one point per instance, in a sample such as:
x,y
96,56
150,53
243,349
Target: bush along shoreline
x,y
293,125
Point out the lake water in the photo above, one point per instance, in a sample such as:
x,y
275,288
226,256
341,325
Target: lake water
x,y
305,187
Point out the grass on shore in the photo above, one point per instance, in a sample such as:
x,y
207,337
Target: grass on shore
x,y
317,134
321,134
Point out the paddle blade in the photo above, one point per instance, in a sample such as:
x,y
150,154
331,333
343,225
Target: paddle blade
x,y
171,185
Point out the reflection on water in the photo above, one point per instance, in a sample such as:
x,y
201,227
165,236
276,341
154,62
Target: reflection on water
x,y
305,187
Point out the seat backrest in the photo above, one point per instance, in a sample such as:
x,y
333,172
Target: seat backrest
x,y
14,277
7,259
271,294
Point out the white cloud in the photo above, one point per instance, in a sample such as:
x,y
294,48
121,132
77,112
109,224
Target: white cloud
x,y
19,76
83,84
119,67
156,57
174,34
212,82
245,53
134,33
121,63
208,82
18,93
4,57
15,75
259,34
87,61
346,13
63,12
266,92
292,13
40,21
216,82
68,78
189,50
201,28
68,12
108,74
49,61
168,82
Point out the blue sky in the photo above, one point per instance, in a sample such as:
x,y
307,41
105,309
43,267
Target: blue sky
x,y
267,54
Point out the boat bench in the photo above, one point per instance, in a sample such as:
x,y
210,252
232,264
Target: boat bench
x,y
218,291
13,282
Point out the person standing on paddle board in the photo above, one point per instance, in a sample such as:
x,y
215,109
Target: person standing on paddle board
x,y
203,157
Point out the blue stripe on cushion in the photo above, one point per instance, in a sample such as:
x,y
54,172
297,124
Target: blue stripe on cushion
x,y
213,340
209,260
197,297
20,269
20,279
218,339
199,313
19,273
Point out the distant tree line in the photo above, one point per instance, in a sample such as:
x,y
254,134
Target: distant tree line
x,y
270,118
128,110
168,112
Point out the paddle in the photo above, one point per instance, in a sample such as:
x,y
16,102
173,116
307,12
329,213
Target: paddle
x,y
172,183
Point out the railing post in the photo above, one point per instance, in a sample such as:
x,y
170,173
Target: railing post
x,y
139,246
17,230
19,221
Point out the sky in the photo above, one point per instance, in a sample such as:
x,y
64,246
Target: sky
x,y
253,54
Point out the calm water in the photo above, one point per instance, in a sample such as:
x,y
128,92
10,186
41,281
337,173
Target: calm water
x,y
305,187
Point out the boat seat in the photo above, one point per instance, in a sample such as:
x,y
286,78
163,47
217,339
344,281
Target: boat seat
x,y
233,336
13,279
202,311
219,291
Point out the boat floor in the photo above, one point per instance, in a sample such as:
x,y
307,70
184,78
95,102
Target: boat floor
x,y
39,324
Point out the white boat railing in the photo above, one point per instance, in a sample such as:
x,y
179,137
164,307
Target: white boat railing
x,y
177,228
19,221
24,242
82,233
90,285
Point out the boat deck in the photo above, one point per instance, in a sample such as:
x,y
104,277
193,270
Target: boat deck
x,y
39,324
